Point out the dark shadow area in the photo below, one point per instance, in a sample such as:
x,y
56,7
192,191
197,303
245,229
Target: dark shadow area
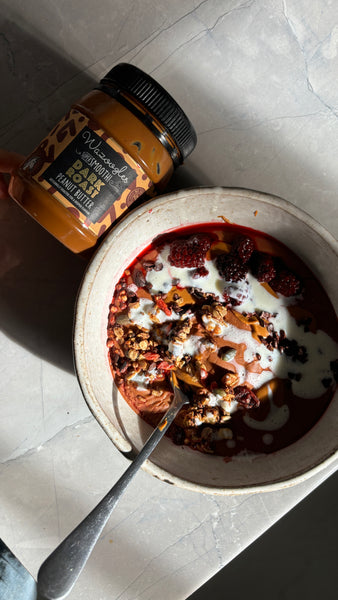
x,y
39,277
39,282
37,86
295,559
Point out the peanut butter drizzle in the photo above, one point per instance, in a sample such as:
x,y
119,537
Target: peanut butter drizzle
x,y
247,322
216,248
267,388
143,293
189,379
182,293
269,289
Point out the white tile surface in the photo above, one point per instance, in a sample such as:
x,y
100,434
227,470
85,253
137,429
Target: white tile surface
x,y
258,80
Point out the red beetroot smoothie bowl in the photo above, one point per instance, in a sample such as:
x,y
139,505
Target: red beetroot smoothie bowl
x,y
177,464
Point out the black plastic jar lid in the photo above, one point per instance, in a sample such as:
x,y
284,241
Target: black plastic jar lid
x,y
130,79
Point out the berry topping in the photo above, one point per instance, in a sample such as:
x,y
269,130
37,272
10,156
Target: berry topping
x,y
162,305
231,268
286,283
189,252
263,267
200,272
246,397
243,247
226,297
139,278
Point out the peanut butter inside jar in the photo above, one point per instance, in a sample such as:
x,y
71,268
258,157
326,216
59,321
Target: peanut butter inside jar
x,y
120,142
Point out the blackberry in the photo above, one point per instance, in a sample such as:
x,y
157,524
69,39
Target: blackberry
x,y
286,283
226,297
246,397
231,268
200,272
243,247
189,252
263,267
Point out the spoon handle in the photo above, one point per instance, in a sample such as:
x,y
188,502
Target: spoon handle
x,y
61,569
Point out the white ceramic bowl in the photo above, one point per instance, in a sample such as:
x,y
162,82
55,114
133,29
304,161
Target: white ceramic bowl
x,y
183,466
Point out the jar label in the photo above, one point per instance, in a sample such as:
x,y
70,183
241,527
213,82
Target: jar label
x,y
87,171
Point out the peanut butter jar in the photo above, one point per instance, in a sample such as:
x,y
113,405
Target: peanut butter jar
x,y
119,143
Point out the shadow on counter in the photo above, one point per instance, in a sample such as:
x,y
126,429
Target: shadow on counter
x,y
296,558
39,277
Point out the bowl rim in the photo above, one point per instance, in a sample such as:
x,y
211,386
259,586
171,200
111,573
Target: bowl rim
x,y
79,314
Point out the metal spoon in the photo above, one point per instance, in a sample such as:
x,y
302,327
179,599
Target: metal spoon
x,y
62,568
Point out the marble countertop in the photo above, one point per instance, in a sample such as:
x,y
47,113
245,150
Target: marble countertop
x,y
258,80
